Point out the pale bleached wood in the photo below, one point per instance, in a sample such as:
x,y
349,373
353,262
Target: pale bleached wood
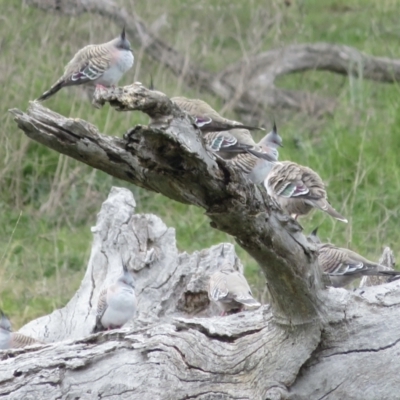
x,y
286,349
169,157
357,358
166,283
179,349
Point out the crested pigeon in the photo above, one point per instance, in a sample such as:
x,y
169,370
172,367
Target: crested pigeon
x,y
12,340
116,304
206,118
298,189
343,265
229,289
96,64
228,144
258,169
270,143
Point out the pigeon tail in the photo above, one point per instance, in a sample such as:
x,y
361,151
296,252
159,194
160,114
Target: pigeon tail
x,y
325,206
249,302
216,126
54,89
262,155
384,273
98,327
248,127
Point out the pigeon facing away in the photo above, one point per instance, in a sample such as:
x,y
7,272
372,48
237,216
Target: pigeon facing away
x,y
116,304
206,118
343,265
229,289
12,340
96,64
298,189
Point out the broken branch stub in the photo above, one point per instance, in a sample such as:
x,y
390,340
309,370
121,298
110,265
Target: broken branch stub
x,y
166,282
169,157
177,348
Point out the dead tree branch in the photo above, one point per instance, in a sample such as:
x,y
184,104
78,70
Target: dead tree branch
x,y
168,157
309,343
259,72
177,348
340,59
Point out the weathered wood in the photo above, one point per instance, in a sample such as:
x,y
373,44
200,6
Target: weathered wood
x,y
169,157
309,343
178,349
340,59
353,354
165,281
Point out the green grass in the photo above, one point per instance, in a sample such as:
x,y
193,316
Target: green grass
x,y
49,202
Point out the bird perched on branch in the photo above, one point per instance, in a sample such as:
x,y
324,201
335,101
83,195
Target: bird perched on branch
x,y
116,304
228,145
343,265
229,289
257,169
206,118
270,143
298,189
96,64
12,340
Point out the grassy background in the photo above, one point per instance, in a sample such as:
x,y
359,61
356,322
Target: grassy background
x,y
49,202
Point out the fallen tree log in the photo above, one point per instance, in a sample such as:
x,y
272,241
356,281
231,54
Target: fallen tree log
x,y
308,343
249,85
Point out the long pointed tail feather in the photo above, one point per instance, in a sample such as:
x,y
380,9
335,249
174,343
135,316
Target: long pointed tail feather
x,y
54,89
98,328
250,128
323,205
217,126
331,211
259,154
250,302
390,273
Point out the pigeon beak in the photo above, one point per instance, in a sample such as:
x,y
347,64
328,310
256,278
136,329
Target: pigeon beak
x,y
123,35
280,145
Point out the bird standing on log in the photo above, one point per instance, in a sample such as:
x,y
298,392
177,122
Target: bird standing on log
x,y
258,168
343,265
206,118
229,289
116,304
228,145
96,64
298,189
